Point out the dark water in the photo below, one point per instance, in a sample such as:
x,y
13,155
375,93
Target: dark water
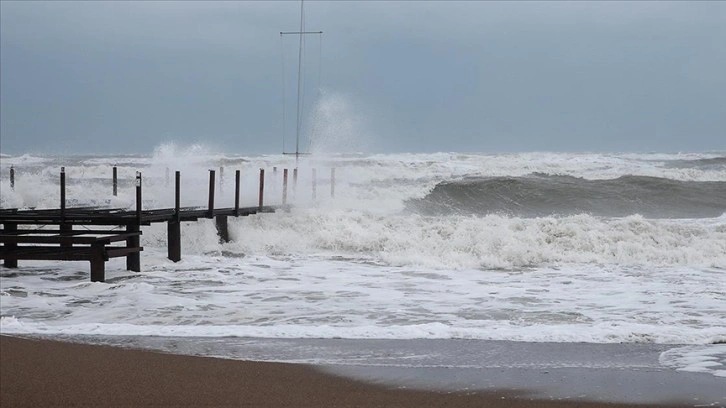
x,y
537,195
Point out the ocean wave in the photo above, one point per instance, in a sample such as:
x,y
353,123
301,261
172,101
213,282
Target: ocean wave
x,y
543,195
462,242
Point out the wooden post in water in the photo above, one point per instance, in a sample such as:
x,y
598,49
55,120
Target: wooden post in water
x,y
12,177
262,186
64,227
220,221
315,184
98,262
177,196
114,181
210,206
284,187
236,192
133,260
173,226
332,182
294,182
138,197
10,247
63,193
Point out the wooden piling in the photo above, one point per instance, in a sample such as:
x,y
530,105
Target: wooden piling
x,y
315,184
63,192
236,192
98,263
173,238
177,196
114,181
64,228
12,178
220,221
210,206
10,228
138,197
262,186
294,182
173,226
133,260
284,187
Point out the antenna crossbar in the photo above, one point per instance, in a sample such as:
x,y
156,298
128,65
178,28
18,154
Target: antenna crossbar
x,y
300,32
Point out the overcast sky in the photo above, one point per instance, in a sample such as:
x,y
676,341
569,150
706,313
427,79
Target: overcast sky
x,y
125,77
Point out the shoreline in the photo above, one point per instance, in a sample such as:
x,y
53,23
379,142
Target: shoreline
x,y
49,372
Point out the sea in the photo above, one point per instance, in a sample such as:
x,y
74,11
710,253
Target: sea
x,y
541,247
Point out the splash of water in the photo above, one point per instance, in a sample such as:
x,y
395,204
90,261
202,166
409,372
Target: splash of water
x,y
335,126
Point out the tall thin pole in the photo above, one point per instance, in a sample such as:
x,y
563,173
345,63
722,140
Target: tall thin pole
x,y
299,75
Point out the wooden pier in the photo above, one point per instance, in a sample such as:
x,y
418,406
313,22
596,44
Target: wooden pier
x,y
98,234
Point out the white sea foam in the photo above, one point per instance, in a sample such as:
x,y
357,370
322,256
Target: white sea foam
x,y
698,359
454,242
361,266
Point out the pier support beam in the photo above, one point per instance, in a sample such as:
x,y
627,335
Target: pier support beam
x,y
65,229
10,227
173,237
98,263
220,222
173,226
133,260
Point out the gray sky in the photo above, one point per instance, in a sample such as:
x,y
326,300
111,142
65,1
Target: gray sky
x,y
125,77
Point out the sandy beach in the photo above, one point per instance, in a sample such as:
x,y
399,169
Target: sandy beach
x,y
51,373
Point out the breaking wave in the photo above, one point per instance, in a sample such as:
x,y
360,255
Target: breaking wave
x,y
537,195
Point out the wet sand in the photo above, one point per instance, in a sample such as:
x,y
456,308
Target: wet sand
x,y
48,373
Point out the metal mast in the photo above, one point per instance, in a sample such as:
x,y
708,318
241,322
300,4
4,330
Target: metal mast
x,y
301,32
